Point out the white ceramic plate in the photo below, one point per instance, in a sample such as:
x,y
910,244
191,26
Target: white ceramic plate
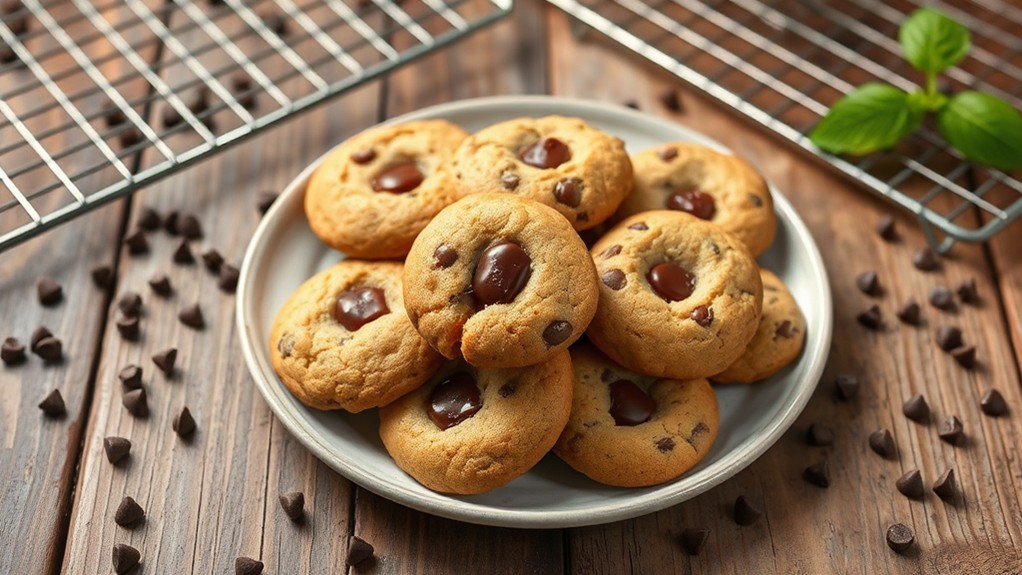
x,y
284,252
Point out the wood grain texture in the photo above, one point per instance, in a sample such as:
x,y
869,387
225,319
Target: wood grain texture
x,y
841,529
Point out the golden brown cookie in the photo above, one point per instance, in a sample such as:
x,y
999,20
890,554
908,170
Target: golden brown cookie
x,y
778,341
679,297
579,171
343,340
372,195
631,430
501,281
721,188
469,430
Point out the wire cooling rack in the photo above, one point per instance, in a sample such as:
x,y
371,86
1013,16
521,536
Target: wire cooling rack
x,y
783,63
99,97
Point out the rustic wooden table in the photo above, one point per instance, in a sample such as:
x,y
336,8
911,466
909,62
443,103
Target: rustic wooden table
x,y
215,498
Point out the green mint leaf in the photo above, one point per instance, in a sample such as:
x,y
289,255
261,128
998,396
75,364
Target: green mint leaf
x,y
932,41
872,117
983,128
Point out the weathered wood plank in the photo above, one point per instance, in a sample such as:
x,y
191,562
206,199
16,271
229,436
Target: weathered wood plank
x,y
213,498
806,529
39,455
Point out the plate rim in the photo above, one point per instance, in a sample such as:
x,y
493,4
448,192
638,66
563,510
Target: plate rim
x,y
458,509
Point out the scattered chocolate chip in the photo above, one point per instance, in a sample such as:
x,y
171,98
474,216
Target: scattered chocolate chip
x,y
130,137
358,551
508,389
38,335
967,291
950,430
614,279
993,403
242,85
502,272
899,537
868,283
200,102
924,259
398,178
7,55
191,316
112,115
667,153
882,443
247,566
183,424
160,284
49,291
942,298
631,104
756,200
183,253
12,351
610,252
818,474
277,23
53,404
670,100
949,337
786,330
170,223
871,318
886,229
102,276
171,117
965,355
454,400
702,315
944,487
916,409
358,306
188,225
128,327
847,387
909,312
293,504
130,376
130,304
569,192
911,485
148,219
128,512
228,279
444,256
136,242
264,201
50,349
557,332
125,558
116,448
165,360
665,444
212,260
819,435
135,402
693,540
670,281
638,227
746,513
363,156
510,180
546,153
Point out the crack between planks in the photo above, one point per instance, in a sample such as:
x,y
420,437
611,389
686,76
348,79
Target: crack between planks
x,y
266,487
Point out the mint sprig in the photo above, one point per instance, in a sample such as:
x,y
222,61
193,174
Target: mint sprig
x,y
875,116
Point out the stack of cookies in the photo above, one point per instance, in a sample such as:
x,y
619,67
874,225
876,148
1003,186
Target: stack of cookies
x,y
461,318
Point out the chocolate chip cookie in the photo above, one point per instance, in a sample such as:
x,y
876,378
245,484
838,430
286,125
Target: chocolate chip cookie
x,y
501,281
579,171
373,194
630,430
712,186
471,430
343,340
778,340
679,297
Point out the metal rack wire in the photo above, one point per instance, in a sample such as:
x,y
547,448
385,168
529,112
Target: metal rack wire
x,y
783,63
100,97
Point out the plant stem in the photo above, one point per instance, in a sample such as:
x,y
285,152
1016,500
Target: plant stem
x,y
931,85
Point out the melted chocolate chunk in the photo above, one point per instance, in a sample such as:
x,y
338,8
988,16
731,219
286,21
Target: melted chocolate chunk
x,y
510,181
363,156
454,400
702,315
639,227
557,332
569,192
629,405
359,306
397,179
785,330
502,272
508,389
546,153
614,279
444,256
697,203
756,200
611,251
671,282
667,154
665,444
